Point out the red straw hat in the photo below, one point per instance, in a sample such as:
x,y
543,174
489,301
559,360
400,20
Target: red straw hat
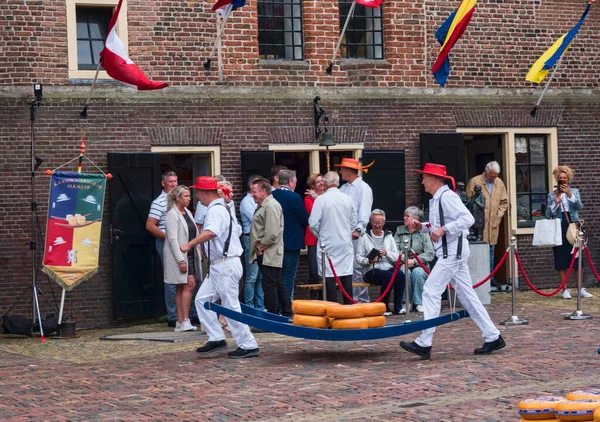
x,y
353,164
205,183
437,170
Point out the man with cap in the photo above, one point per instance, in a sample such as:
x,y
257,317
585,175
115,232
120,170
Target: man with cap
x,y
225,270
362,195
449,222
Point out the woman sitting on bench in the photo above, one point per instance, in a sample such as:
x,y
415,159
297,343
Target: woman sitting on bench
x,y
377,254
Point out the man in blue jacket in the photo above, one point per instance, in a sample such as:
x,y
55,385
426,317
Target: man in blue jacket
x,y
295,220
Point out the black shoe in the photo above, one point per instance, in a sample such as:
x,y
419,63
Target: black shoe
x,y
212,346
258,330
240,353
194,320
171,324
412,347
491,346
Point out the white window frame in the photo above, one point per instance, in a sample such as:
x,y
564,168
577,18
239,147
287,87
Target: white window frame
x,y
509,171
74,72
313,151
214,151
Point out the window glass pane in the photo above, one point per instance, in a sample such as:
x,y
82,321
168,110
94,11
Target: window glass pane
x,y
84,54
97,47
538,179
521,150
523,209
538,204
82,29
537,150
364,30
523,179
280,29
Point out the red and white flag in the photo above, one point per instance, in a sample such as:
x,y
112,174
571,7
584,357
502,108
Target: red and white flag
x,y
370,3
118,65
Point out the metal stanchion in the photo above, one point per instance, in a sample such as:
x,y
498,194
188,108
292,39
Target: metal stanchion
x,y
407,304
579,314
514,319
323,272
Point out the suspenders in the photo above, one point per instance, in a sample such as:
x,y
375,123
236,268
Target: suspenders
x,y
444,240
226,245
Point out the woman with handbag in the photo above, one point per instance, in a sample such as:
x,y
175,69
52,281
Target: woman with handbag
x,y
564,203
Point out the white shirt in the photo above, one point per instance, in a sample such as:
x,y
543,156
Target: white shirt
x,y
217,220
362,194
200,213
158,210
332,220
247,210
564,198
457,219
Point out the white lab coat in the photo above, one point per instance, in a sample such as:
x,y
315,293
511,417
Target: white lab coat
x,y
332,220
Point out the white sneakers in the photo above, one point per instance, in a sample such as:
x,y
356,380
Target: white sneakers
x,y
420,309
403,310
584,293
186,325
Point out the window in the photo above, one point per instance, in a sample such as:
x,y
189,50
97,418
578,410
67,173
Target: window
x,y
364,34
87,26
531,171
92,28
280,29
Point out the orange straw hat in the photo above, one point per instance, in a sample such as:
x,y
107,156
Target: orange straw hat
x,y
437,170
206,183
353,164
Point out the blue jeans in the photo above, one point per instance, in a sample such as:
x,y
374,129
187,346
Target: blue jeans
x,y
417,281
253,291
383,278
171,289
290,267
492,249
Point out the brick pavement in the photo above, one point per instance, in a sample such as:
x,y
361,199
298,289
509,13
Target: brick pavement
x,y
296,380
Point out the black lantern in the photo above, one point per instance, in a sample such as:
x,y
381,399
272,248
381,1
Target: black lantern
x,y
323,137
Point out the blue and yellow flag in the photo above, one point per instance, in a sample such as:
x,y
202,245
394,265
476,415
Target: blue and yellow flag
x,y
542,66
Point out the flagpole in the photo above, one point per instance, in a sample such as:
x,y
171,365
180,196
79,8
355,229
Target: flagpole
x,y
83,113
219,33
220,56
337,47
534,110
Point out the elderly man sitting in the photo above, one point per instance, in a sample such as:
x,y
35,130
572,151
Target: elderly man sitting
x,y
421,244
377,255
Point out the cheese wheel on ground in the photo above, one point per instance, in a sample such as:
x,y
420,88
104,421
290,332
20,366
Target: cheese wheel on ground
x,y
597,415
576,410
375,321
539,408
373,308
350,323
309,307
345,311
312,321
584,395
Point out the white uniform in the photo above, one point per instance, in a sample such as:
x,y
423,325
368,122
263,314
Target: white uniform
x,y
332,220
223,278
362,194
457,220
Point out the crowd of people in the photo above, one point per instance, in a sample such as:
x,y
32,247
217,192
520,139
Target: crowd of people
x,y
205,255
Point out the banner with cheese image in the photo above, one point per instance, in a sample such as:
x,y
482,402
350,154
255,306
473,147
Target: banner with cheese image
x,y
73,228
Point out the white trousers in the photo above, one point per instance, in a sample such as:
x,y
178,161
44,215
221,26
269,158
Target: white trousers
x,y
359,294
456,272
223,283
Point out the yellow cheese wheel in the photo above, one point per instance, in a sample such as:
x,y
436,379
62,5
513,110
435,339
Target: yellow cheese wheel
x,y
375,321
349,323
597,415
576,410
309,307
584,395
345,311
540,420
312,321
373,308
539,408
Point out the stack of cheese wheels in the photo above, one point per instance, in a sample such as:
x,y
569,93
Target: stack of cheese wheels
x,y
312,313
597,415
374,313
540,408
347,317
577,410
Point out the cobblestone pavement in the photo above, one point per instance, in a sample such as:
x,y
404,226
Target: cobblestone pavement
x,y
295,380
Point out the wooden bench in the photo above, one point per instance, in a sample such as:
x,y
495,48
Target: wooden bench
x,y
320,286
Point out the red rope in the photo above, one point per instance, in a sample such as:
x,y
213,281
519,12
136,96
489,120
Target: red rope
x,y
482,282
589,258
383,295
539,292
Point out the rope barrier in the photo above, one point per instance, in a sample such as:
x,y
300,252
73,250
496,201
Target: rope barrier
x,y
589,258
383,295
564,282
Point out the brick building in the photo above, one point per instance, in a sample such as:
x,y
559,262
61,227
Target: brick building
x,y
254,108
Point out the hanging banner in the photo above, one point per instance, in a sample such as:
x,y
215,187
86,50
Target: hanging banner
x,y
73,228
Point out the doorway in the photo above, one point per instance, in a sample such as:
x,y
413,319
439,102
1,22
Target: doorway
x,y
480,150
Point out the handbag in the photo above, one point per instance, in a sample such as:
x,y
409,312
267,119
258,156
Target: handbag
x,y
547,233
573,229
14,324
49,324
